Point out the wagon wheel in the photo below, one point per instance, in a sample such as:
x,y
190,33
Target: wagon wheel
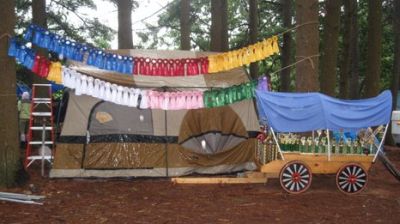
x,y
351,178
295,177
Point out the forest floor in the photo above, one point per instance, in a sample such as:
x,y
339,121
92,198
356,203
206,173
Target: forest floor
x,y
160,201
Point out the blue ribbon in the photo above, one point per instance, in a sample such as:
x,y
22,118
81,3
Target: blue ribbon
x,y
76,51
23,55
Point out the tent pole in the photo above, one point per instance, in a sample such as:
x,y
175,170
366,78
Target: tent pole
x,y
329,144
277,143
166,140
380,144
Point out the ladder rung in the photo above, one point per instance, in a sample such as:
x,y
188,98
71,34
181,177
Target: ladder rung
x,y
39,157
40,142
41,100
48,85
41,128
43,114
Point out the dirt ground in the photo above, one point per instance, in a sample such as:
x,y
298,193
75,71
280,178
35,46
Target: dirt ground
x,y
160,201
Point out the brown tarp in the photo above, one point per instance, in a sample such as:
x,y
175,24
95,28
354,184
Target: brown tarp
x,y
221,119
222,79
146,155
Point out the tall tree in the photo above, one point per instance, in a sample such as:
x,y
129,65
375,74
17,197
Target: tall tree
x,y
185,24
39,17
307,43
219,26
373,71
349,58
9,150
354,91
253,30
396,50
330,47
125,8
286,55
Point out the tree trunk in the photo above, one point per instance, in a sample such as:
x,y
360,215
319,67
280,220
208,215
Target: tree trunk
x,y
39,13
9,145
125,40
219,26
349,63
253,29
307,43
185,24
354,91
330,48
39,17
374,48
287,45
396,51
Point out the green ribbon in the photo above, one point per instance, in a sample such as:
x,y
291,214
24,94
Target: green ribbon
x,y
226,96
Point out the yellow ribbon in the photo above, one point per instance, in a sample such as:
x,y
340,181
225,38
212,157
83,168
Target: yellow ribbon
x,y
244,56
55,72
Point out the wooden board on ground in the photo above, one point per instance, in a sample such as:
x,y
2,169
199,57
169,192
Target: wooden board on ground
x,y
218,180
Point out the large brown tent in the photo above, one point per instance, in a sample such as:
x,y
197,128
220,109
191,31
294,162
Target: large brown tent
x,y
103,139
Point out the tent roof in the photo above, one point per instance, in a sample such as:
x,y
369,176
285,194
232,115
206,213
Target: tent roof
x,y
222,79
300,112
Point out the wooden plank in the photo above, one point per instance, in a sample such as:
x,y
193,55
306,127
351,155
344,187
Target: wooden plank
x,y
255,174
218,180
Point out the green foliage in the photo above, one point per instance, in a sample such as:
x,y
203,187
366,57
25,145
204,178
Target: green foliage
x,y
58,95
59,13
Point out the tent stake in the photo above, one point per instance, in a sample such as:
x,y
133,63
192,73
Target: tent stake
x,y
277,143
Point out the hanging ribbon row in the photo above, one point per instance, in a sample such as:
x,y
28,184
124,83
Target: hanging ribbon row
x,y
226,96
170,67
54,71
76,51
150,66
131,97
244,56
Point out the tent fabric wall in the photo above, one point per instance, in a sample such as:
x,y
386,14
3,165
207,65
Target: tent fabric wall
x,y
78,110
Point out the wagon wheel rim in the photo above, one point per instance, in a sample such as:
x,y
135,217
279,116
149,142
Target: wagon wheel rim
x,y
351,178
295,177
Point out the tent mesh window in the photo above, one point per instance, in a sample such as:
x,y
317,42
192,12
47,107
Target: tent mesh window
x,y
211,131
114,123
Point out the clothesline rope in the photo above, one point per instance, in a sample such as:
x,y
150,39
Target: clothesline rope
x,y
291,65
296,27
5,35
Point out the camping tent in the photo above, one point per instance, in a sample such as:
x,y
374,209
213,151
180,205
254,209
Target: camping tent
x,y
103,139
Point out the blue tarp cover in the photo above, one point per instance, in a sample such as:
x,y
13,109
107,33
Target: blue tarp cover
x,y
300,112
